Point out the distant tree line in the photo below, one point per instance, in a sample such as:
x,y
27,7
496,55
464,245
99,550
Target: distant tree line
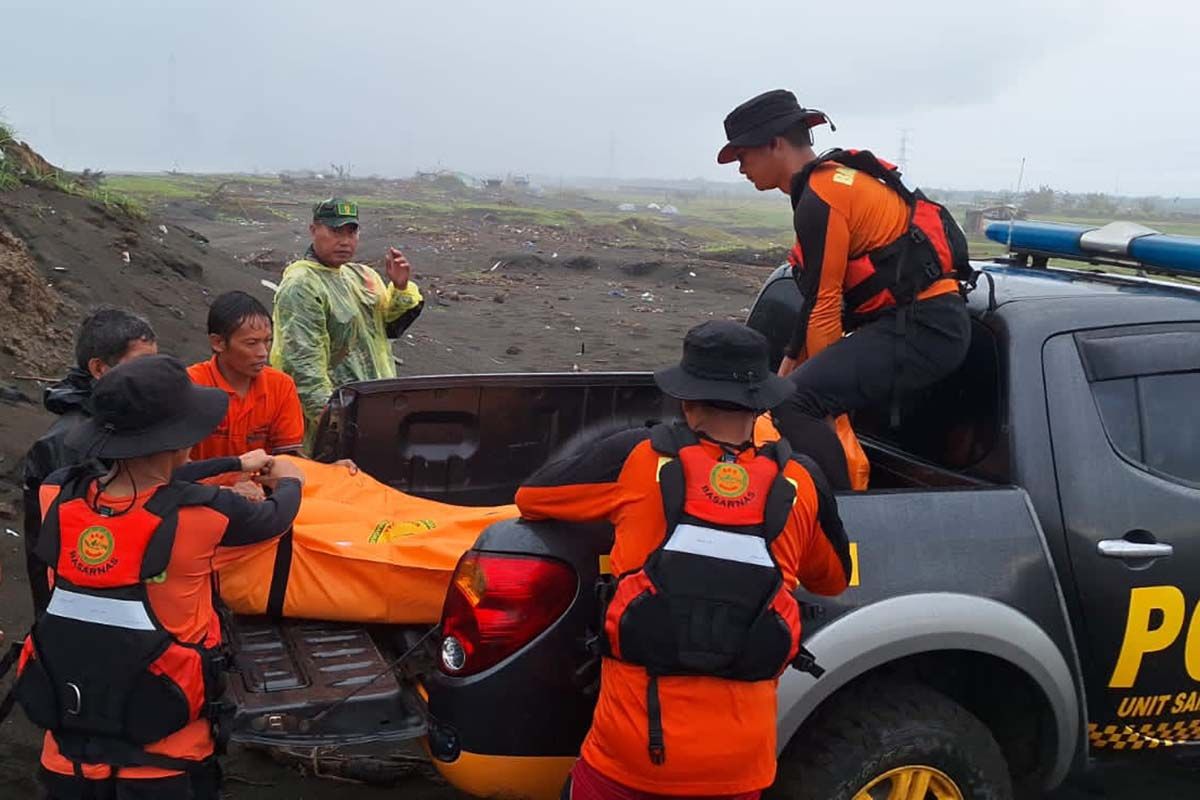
x,y
1045,200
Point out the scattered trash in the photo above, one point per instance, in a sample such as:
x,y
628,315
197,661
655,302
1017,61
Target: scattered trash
x,y
125,256
274,287
11,532
164,230
60,269
647,296
689,291
654,206
691,274
493,269
555,255
578,329
616,293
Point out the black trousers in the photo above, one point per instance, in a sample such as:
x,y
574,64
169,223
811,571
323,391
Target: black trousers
x,y
202,783
879,364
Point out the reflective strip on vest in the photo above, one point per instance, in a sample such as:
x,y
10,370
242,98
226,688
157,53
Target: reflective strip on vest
x,y
740,547
130,614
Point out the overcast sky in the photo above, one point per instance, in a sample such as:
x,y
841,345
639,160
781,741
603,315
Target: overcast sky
x,y
1096,95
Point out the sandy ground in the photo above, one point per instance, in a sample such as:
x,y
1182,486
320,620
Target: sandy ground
x,y
501,297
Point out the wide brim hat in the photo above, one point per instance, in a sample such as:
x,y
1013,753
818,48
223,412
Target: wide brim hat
x,y
760,119
147,406
726,362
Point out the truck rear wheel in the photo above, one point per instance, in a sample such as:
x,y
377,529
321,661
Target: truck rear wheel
x,y
892,740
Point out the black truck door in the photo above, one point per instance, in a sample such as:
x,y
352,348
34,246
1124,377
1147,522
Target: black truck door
x,y
1124,408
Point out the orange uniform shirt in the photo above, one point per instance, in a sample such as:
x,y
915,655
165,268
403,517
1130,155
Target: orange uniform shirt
x,y
719,734
268,417
842,216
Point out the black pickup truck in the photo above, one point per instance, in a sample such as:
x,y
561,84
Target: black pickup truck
x,y
1026,564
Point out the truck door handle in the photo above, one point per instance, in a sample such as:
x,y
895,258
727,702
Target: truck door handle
x,y
1128,550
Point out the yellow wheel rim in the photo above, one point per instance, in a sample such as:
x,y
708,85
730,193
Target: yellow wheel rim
x,y
911,783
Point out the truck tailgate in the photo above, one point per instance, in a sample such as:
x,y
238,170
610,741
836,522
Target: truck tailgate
x,y
308,683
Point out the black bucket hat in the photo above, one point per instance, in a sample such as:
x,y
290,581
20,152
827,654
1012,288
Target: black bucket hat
x,y
727,362
760,119
147,406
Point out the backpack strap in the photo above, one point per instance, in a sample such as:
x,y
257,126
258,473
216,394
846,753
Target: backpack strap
x,y
74,485
165,504
864,161
782,494
668,440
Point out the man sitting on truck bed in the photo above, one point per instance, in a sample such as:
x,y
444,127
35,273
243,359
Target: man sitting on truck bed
x,y
871,257
713,534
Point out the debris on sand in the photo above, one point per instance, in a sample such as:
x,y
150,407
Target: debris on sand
x,y
265,259
581,263
640,269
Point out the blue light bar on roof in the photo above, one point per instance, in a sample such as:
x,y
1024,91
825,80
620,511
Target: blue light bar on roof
x,y
1123,241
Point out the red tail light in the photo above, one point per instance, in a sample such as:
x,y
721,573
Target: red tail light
x,y
497,604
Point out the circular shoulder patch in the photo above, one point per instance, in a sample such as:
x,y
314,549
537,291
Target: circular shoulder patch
x,y
95,545
729,480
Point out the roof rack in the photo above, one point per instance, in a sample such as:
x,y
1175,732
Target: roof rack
x,y
1119,244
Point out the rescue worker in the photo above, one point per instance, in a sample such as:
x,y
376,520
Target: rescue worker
x,y
871,257
333,317
124,667
264,408
107,337
712,537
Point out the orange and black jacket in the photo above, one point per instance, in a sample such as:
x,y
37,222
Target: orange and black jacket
x,y
721,733
841,215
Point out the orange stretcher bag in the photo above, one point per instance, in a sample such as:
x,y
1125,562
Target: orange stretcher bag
x,y
359,551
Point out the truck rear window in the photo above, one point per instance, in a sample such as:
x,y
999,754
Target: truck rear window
x,y
955,423
1146,383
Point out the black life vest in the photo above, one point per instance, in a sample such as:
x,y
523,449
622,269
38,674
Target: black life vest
x,y
710,599
98,669
933,248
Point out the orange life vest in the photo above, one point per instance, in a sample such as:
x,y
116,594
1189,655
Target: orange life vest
x,y
99,670
933,248
710,599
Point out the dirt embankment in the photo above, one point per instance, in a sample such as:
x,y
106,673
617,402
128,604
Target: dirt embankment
x,y
60,257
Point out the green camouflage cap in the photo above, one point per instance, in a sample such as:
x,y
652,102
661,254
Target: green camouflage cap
x,y
336,212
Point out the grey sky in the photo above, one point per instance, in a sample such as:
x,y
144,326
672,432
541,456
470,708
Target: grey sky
x,y
1097,95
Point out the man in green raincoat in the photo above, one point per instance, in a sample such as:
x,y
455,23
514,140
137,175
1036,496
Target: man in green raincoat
x,y
333,318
